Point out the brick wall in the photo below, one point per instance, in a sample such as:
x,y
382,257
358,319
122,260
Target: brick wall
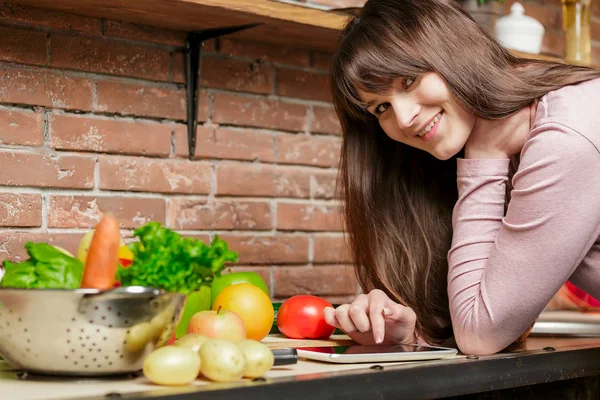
x,y
92,119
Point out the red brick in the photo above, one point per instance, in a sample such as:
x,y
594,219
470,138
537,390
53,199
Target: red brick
x,y
12,244
144,33
57,171
148,101
20,209
321,60
261,180
205,238
21,127
554,43
308,150
154,175
246,76
302,84
279,249
86,211
324,185
13,49
265,52
321,280
109,57
330,249
73,132
308,217
220,214
35,87
325,120
595,9
227,143
43,18
178,67
259,112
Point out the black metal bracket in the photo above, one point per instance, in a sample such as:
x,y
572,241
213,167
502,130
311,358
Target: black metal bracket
x,y
193,50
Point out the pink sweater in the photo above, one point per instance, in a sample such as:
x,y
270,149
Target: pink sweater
x,y
505,267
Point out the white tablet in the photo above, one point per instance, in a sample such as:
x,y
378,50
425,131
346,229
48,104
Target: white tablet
x,y
375,353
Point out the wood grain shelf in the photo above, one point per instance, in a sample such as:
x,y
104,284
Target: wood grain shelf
x,y
281,23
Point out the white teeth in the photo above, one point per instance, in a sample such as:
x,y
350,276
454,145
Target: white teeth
x,y
430,124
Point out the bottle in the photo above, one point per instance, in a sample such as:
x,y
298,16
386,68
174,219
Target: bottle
x,y
576,25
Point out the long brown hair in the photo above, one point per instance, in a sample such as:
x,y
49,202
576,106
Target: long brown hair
x,y
398,200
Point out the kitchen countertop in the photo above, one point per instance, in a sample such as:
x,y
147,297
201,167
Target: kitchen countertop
x,y
539,360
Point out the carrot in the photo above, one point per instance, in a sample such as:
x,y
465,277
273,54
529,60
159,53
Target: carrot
x,y
103,256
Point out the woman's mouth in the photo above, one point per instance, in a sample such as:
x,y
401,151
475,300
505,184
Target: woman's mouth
x,y
429,131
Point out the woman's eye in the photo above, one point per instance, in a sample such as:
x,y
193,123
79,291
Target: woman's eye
x,y
408,82
381,108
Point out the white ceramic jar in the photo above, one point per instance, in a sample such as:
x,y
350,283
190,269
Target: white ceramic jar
x,y
519,32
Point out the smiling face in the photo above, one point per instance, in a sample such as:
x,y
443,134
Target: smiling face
x,y
423,114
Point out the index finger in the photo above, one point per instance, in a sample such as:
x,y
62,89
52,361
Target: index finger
x,y
376,306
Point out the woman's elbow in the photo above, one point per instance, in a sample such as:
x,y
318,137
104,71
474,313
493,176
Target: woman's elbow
x,y
476,346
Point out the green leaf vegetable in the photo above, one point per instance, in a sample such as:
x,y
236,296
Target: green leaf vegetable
x,y
46,268
165,260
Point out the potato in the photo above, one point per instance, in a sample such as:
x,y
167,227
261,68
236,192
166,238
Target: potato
x,y
259,358
222,360
138,336
192,341
172,366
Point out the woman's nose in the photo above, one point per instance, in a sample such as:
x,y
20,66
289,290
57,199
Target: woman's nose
x,y
406,111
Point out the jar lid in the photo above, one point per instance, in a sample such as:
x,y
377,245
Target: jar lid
x,y
518,22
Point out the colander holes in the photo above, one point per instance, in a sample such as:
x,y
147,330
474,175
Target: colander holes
x,y
99,350
119,314
121,356
83,345
93,344
75,363
95,308
86,366
87,337
97,330
91,321
28,349
117,351
99,366
25,330
103,318
110,363
68,340
90,349
80,337
81,357
72,319
7,323
20,319
104,338
126,321
28,340
66,357
81,330
109,308
94,360
10,310
110,326
106,357
68,330
72,350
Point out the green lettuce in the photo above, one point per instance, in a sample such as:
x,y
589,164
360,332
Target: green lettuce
x,y
46,268
164,259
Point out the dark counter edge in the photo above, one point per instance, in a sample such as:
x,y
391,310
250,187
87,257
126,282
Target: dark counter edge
x,y
435,379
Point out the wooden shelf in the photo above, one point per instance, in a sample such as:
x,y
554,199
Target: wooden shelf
x,y
283,23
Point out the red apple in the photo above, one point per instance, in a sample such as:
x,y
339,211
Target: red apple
x,y
218,324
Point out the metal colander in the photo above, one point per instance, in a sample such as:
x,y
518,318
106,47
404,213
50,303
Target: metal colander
x,y
85,331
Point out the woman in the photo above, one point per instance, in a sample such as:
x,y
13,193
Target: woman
x,y
471,178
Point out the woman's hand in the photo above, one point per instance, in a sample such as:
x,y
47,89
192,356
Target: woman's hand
x,y
374,318
502,138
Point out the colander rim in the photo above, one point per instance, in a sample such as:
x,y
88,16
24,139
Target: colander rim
x,y
129,290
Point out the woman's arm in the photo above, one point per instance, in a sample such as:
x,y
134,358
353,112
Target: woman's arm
x,y
503,270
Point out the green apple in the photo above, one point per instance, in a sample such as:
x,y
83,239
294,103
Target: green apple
x,y
232,278
195,302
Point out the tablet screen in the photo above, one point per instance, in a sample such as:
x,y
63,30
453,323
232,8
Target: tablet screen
x,y
371,349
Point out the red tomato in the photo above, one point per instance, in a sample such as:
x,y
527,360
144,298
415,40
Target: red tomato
x,y
301,317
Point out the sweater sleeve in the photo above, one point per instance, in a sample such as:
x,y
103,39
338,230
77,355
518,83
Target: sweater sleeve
x,y
504,269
